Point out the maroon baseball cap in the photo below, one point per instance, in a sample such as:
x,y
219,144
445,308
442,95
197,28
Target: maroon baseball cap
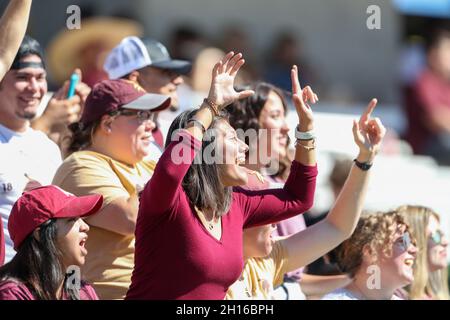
x,y
37,206
110,95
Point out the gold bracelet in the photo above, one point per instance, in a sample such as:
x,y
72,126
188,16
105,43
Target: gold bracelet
x,y
212,106
297,143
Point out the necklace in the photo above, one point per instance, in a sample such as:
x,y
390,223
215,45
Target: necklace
x,y
209,224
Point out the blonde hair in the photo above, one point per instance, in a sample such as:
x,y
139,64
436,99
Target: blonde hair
x,y
425,283
375,232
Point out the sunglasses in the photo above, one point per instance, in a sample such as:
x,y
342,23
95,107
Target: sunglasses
x,y
437,237
405,241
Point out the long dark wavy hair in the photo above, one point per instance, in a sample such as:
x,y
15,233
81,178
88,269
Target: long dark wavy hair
x,y
244,114
202,181
38,265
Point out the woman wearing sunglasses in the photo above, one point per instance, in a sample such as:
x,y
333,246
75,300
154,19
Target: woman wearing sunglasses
x,y
109,145
379,256
430,269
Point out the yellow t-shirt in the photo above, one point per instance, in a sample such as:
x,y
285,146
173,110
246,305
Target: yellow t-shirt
x,y
110,260
260,276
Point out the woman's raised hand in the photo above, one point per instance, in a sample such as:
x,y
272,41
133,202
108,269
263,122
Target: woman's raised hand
x,y
301,97
368,133
222,91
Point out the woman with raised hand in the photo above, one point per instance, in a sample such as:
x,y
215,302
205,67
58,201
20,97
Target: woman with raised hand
x,y
261,119
192,212
267,260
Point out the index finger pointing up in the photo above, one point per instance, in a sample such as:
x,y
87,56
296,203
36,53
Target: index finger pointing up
x,y
296,88
366,115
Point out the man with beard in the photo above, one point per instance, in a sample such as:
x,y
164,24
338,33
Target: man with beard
x,y
13,25
28,157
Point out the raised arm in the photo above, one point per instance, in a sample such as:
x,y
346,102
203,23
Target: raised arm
x,y
174,163
310,244
297,196
221,93
304,147
13,25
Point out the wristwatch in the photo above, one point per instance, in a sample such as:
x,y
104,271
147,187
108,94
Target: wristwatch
x,y
364,166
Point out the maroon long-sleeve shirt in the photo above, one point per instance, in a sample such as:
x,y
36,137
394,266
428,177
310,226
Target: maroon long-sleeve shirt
x,y
175,256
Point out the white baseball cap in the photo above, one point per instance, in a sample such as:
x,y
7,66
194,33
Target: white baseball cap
x,y
133,54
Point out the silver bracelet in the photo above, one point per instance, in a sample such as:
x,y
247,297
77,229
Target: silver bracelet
x,y
308,135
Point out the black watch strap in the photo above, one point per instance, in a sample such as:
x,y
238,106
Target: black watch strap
x,y
364,166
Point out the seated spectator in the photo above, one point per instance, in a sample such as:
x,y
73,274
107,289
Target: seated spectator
x,y
267,260
147,62
430,269
13,25
109,145
379,257
49,235
428,102
192,212
31,155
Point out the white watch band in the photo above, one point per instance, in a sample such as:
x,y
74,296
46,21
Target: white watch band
x,y
308,135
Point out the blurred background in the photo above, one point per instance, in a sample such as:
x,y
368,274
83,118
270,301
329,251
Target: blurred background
x,y
346,63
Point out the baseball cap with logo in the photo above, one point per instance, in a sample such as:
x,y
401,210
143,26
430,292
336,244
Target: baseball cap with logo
x,y
110,95
41,204
133,54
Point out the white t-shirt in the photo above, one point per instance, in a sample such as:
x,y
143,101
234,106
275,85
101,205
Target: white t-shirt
x,y
344,294
30,152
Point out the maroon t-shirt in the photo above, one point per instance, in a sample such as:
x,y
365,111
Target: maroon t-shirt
x,y
12,290
175,256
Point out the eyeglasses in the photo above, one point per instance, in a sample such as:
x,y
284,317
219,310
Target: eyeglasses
x,y
437,237
142,115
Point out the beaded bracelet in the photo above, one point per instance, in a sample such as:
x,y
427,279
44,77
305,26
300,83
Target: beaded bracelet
x,y
212,106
